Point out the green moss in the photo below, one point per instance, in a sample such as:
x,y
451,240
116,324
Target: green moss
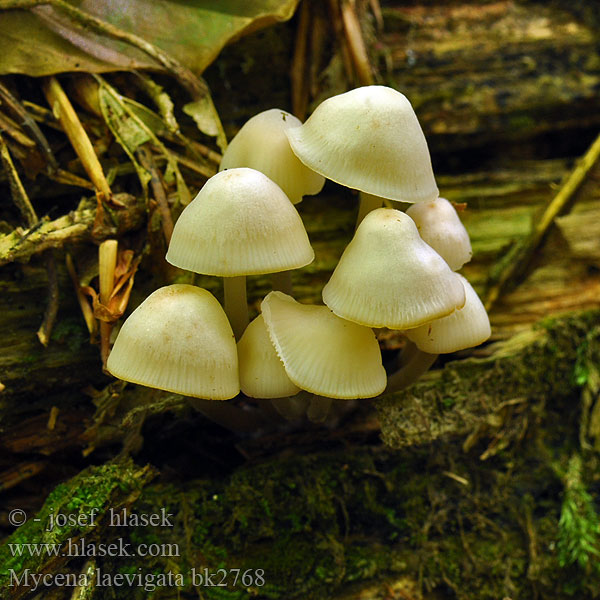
x,y
90,493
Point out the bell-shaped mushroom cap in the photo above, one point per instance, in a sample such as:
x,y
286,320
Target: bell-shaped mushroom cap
x,y
322,353
178,340
368,139
440,226
262,374
389,277
464,328
261,144
240,223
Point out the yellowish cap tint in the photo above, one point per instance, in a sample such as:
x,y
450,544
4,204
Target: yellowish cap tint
x,y
368,139
440,226
178,340
240,223
464,328
262,374
322,353
389,277
261,144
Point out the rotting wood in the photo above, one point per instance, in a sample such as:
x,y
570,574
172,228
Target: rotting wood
x,y
73,228
470,395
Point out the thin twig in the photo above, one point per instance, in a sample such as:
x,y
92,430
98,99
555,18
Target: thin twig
x,y
30,124
21,199
319,37
203,150
45,330
298,69
64,111
376,10
517,267
158,190
19,195
71,228
356,43
338,29
86,309
9,127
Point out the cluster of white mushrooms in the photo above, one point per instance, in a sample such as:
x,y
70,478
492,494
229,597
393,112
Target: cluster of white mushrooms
x,y
397,272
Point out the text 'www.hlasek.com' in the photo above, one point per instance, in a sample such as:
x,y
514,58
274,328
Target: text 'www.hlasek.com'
x,y
88,547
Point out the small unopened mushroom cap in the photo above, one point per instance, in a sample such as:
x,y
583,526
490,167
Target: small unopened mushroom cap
x,y
368,139
262,374
178,340
322,353
464,328
389,277
261,144
440,226
240,223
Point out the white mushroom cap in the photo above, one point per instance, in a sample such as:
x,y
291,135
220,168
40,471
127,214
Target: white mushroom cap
x,y
464,328
261,144
389,277
322,353
440,226
369,139
240,223
262,374
178,340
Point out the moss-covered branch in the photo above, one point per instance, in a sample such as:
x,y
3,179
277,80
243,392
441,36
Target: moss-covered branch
x,y
473,397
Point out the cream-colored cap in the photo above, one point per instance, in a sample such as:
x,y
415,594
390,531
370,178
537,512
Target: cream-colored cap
x,y
240,223
178,340
464,328
368,139
389,277
261,144
322,353
262,374
440,226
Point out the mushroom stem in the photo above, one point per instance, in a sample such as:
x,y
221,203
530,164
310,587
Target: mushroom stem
x,y
230,416
318,409
417,364
292,408
282,282
107,262
367,203
236,306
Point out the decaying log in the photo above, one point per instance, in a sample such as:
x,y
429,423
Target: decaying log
x,y
477,396
476,72
322,522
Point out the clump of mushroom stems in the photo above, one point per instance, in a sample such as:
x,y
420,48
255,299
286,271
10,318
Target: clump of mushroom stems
x,y
400,171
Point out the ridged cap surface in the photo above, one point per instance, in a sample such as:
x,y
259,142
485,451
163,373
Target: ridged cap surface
x,y
322,353
261,144
440,226
262,374
240,223
464,328
389,277
368,139
178,340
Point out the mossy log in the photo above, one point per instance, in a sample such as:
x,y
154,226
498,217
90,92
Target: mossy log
x,y
348,521
482,71
476,397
